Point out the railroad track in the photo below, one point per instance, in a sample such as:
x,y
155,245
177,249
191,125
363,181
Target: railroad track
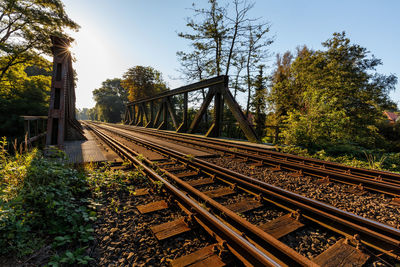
x,y
374,180
361,237
244,250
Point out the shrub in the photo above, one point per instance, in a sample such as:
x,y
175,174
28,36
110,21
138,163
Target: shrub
x,y
42,199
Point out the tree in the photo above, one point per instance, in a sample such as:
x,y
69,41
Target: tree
x,y
259,102
25,29
224,43
21,94
256,51
111,99
142,82
285,94
339,97
207,41
82,114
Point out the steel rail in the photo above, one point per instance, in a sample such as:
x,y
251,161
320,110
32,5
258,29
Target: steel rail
x,y
373,234
376,174
379,183
276,247
369,173
239,244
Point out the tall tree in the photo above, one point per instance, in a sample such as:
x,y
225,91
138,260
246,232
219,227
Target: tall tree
x,y
256,51
342,96
220,44
142,82
111,99
285,94
25,29
207,38
220,40
259,102
22,94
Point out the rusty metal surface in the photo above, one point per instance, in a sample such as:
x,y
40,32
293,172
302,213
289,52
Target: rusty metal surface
x,y
395,201
341,254
374,234
245,205
220,192
170,229
236,243
281,226
175,168
62,124
151,207
202,181
218,90
187,174
141,192
183,149
204,257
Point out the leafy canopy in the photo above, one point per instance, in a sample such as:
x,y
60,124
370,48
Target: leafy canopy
x,y
331,96
142,82
25,29
22,94
110,99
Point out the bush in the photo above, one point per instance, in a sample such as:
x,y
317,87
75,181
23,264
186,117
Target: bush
x,y
350,155
43,199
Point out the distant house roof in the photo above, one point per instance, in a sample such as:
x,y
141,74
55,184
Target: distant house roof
x,y
391,116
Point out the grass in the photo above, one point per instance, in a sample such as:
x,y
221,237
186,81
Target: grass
x,y
351,156
44,202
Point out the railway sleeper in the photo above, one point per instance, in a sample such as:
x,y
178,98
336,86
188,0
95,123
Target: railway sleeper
x,y
342,248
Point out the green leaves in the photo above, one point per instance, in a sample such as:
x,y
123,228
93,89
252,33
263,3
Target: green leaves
x,y
331,96
45,199
26,27
142,82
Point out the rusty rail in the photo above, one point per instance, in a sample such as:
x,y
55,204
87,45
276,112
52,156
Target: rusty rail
x,y
379,181
236,242
376,235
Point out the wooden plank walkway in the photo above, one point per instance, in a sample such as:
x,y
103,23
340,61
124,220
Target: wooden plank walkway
x,y
83,151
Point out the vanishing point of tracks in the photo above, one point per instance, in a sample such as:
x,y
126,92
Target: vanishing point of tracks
x,y
374,180
199,185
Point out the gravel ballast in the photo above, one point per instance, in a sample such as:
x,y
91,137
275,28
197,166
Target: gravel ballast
x,y
123,236
370,205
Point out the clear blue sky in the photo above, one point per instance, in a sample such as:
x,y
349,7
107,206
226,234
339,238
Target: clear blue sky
x,y
119,34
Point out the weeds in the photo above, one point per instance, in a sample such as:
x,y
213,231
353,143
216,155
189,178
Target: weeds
x,y
373,162
43,201
189,157
351,156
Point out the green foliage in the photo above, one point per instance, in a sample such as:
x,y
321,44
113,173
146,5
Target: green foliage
x,y
322,125
332,96
25,30
111,99
259,103
82,114
21,94
41,198
101,179
351,155
142,82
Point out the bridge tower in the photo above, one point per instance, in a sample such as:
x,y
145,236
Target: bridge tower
x,y
62,124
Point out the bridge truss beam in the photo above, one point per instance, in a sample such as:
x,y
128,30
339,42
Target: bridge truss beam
x,y
141,112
